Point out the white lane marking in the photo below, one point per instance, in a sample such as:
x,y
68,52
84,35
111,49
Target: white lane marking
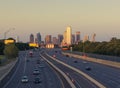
x,y
13,74
78,84
25,63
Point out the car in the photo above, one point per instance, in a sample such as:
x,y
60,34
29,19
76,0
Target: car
x,y
36,72
67,55
24,79
41,66
84,62
75,61
55,51
27,60
37,80
54,56
30,53
88,68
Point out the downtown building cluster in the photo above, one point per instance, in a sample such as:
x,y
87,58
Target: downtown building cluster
x,y
67,38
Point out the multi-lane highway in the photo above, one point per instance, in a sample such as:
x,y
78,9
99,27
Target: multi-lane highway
x,y
105,75
77,79
108,76
48,77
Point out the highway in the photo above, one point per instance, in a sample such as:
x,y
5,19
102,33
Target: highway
x,y
78,80
49,78
104,57
108,76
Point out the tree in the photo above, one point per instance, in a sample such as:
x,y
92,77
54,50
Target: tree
x,y
11,51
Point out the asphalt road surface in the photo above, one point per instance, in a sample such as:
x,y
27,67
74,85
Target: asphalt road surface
x,y
108,76
48,77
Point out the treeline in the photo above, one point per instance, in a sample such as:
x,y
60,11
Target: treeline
x,y
105,48
20,46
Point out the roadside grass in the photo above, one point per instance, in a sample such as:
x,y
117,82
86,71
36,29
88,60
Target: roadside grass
x,y
7,61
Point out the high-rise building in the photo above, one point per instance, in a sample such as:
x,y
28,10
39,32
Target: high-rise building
x,y
67,36
86,38
48,39
93,37
73,38
55,40
77,36
31,38
60,38
17,39
38,38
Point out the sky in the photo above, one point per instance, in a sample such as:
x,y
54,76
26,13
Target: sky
x,y
53,16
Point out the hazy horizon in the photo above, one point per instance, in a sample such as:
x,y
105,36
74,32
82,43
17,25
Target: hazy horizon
x,y
52,17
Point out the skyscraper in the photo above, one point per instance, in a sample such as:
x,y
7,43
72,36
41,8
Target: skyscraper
x,y
93,37
77,36
55,40
67,36
31,38
73,38
60,38
48,39
86,38
38,38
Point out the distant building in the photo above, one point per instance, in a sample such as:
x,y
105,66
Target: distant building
x,y
48,39
86,38
55,41
31,38
77,36
68,36
60,38
38,38
73,38
93,37
17,39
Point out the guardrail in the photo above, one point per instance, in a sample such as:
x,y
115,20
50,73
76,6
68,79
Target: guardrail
x,y
96,60
80,72
61,72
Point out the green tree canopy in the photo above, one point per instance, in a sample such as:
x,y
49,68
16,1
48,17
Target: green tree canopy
x,y
11,51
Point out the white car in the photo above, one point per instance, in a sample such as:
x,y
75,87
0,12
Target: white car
x,y
24,79
36,72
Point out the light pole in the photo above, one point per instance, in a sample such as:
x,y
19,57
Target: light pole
x,y
7,32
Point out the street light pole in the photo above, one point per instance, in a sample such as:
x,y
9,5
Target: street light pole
x,y
7,32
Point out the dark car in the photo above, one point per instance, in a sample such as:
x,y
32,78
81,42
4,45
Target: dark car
x,y
75,61
88,68
37,80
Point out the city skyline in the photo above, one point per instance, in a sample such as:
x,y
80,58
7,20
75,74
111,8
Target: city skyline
x,y
52,17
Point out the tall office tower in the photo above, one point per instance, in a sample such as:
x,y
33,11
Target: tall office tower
x,y
64,38
38,38
73,38
93,37
48,39
69,35
86,38
77,36
31,38
17,38
60,38
55,40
